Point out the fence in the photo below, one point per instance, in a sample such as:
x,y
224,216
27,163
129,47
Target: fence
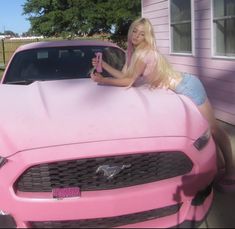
x,y
8,47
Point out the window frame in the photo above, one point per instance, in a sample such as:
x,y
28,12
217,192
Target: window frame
x,y
192,53
213,36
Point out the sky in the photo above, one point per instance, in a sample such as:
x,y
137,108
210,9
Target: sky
x,y
11,17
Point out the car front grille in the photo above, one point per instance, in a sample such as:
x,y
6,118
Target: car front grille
x,y
110,221
105,172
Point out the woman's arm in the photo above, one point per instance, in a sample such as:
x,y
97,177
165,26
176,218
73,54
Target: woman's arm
x,y
112,71
119,82
122,81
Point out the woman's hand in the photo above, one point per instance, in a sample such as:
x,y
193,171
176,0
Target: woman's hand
x,y
94,62
97,77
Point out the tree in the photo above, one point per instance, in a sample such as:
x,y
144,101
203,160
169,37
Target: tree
x,y
11,33
122,15
81,17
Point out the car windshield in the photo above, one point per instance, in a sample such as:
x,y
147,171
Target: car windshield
x,y
59,63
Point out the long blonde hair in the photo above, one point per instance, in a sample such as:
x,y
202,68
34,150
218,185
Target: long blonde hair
x,y
162,72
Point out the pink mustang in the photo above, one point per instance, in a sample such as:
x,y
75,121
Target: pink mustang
x,y
74,154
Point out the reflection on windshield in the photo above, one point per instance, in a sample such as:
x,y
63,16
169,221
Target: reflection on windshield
x,y
59,63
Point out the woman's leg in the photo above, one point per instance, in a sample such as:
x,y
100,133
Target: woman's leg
x,y
221,138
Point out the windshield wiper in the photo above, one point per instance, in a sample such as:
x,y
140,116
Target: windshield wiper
x,y
23,82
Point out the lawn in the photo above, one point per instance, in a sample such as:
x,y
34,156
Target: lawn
x,y
9,47
1,72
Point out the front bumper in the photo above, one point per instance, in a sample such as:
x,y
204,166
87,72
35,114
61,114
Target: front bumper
x,y
176,194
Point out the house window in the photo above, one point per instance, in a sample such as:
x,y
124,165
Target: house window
x,y
181,26
224,27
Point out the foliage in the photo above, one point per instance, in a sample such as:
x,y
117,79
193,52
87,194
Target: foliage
x,y
81,17
1,72
9,32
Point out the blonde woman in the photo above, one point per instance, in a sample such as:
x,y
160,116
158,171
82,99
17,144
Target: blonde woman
x,y
145,65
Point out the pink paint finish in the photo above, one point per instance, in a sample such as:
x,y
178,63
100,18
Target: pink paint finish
x,y
109,203
44,108
55,122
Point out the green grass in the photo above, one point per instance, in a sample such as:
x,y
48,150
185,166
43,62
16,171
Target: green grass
x,y
1,73
11,46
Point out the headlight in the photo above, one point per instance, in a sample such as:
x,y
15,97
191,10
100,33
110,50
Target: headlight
x,y
202,141
3,160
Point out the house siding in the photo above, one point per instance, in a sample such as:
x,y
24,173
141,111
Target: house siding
x,y
217,74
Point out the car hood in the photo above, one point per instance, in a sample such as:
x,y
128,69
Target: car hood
x,y
74,111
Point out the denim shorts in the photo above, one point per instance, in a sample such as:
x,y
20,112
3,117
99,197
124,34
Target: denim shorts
x,y
193,88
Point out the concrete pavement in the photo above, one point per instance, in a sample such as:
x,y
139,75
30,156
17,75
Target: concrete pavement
x,y
222,213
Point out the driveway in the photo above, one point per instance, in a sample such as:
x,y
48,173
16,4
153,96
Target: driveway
x,y
222,212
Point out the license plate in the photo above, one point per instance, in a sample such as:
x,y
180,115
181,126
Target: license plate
x,y
66,192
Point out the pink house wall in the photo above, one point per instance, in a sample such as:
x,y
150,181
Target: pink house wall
x,y
217,75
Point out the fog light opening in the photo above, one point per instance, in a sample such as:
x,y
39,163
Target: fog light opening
x,y
6,220
3,161
202,141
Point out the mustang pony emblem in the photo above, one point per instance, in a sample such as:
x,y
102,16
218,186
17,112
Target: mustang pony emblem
x,y
111,171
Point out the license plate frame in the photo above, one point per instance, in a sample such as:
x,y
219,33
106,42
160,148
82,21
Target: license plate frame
x,y
70,192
